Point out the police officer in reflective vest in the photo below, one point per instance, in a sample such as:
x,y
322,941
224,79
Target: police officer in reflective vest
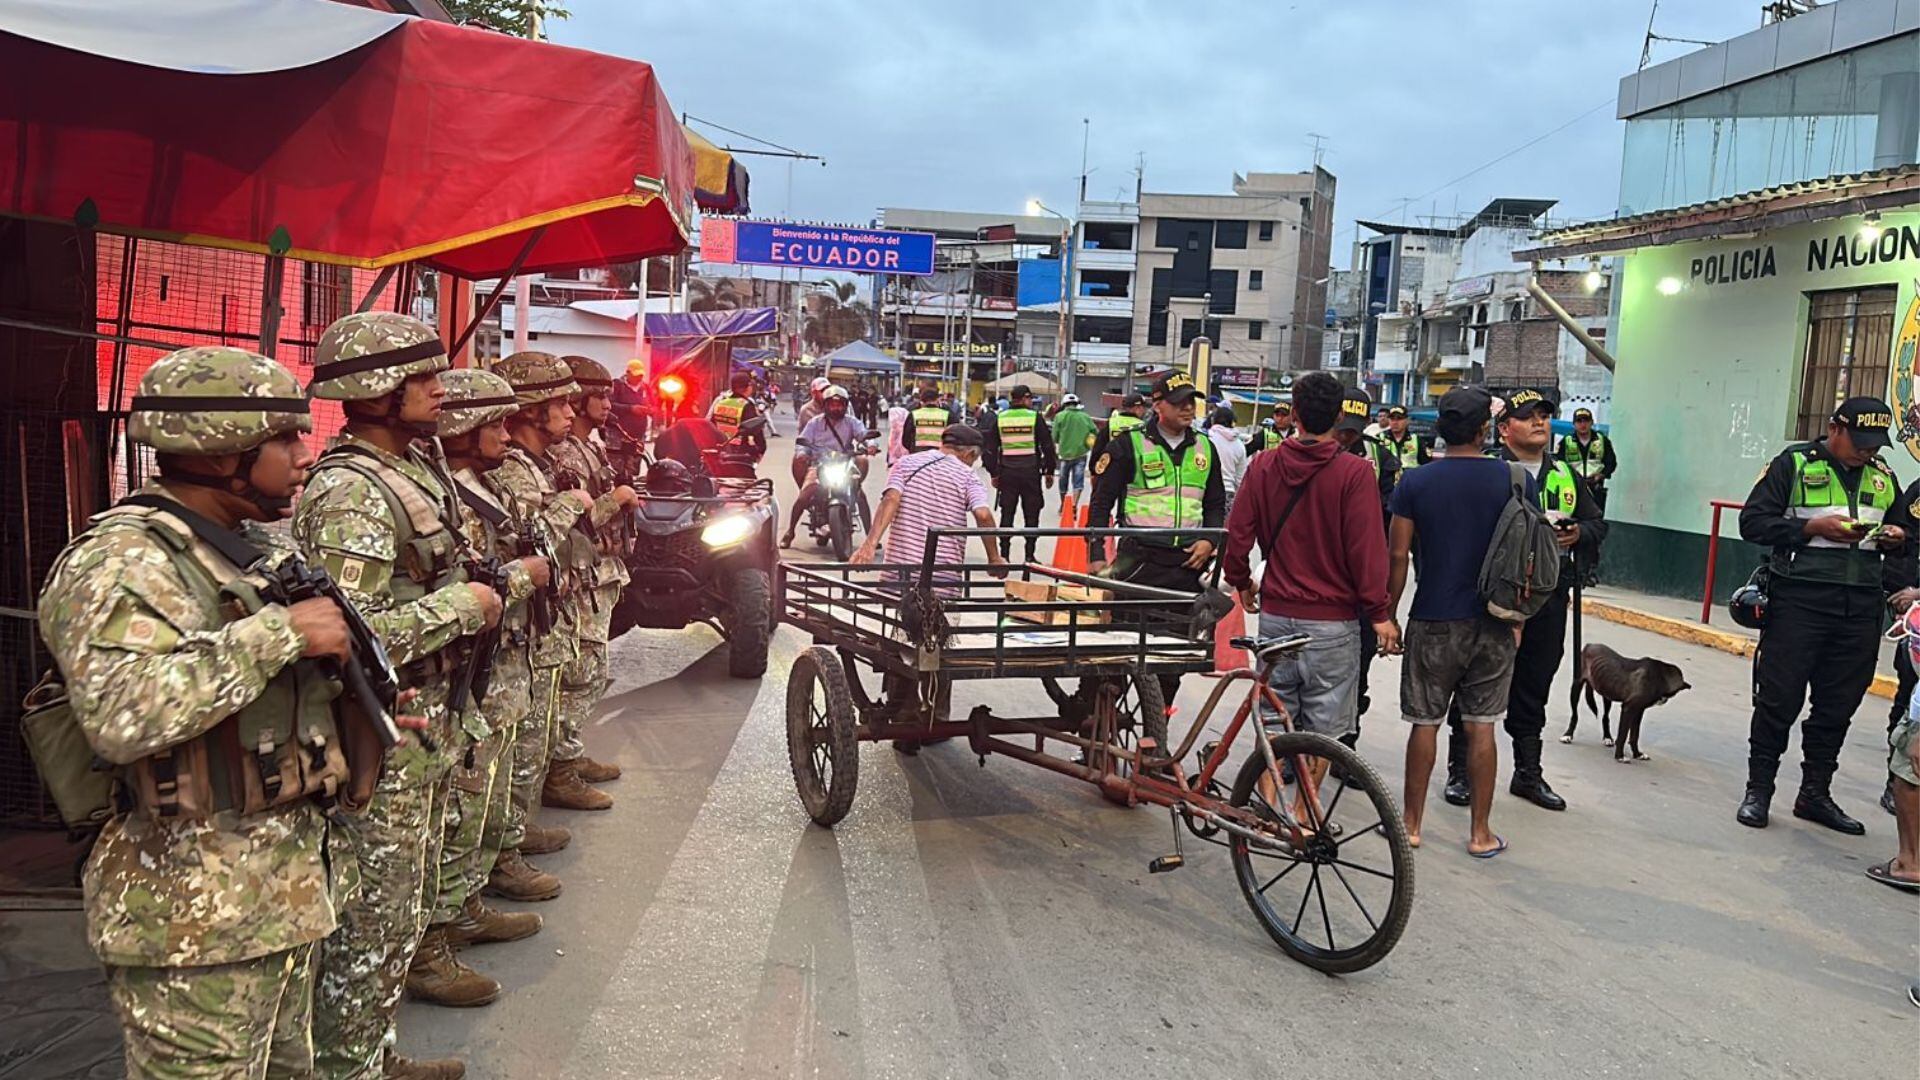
x,y
1020,458
736,407
1410,450
927,422
1160,475
1821,508
1526,430
1349,430
1590,454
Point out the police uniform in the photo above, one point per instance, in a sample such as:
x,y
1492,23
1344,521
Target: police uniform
x,y
924,426
1543,639
204,908
1018,453
1410,450
728,412
1148,482
1354,406
1824,613
1593,461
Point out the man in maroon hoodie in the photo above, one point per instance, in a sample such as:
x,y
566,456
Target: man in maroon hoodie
x,y
1315,513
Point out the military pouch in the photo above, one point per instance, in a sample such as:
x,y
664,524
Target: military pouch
x,y
79,782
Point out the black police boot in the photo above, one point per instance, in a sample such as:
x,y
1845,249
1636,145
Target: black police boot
x,y
1886,798
1753,807
1457,792
1528,783
1819,808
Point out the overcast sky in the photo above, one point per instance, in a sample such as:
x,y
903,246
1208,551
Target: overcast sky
x,y
978,106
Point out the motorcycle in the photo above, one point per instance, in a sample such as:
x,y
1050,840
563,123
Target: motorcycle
x,y
836,475
704,552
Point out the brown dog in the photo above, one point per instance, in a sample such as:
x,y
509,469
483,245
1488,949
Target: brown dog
x,y
1638,685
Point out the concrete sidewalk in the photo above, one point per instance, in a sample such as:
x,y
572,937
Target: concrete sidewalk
x,y
1680,619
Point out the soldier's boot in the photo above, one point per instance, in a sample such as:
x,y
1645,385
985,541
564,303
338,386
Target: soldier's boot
x,y
437,976
544,839
596,772
396,1067
478,924
565,790
516,879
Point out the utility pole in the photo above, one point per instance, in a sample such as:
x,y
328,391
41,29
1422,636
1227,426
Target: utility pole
x,y
966,347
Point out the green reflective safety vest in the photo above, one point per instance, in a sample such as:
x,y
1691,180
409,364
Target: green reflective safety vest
x,y
1408,452
1590,464
1120,423
1559,491
928,422
727,413
1819,491
1162,493
1375,452
1016,432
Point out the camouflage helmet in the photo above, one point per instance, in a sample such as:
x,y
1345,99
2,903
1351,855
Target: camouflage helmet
x,y
537,377
215,399
591,374
370,353
475,398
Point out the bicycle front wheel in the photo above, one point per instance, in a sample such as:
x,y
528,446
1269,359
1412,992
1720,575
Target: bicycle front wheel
x,y
1334,885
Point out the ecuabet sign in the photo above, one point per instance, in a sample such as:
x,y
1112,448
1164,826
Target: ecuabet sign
x,y
816,247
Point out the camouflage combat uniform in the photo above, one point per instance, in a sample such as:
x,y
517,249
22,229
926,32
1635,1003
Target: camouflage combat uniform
x,y
347,522
206,925
524,484
481,783
598,552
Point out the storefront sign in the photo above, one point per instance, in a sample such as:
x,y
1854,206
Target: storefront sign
x,y
1846,248
816,247
979,350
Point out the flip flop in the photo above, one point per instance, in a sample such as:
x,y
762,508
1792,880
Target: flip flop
x,y
1495,851
1883,873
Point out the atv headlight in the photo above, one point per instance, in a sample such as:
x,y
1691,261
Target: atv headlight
x,y
727,530
835,472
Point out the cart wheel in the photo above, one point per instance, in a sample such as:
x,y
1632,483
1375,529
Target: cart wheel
x,y
1126,709
1337,899
821,742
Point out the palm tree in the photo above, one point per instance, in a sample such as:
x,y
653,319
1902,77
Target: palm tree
x,y
834,316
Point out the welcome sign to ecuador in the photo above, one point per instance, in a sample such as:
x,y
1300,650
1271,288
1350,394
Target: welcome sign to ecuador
x,y
816,247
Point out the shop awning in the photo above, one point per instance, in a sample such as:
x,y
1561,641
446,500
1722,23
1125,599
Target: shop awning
x,y
719,180
743,322
337,135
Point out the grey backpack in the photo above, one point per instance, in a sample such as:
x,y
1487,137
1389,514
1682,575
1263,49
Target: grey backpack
x,y
1522,565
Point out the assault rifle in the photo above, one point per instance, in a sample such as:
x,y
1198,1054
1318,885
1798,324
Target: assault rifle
x,y
476,673
368,676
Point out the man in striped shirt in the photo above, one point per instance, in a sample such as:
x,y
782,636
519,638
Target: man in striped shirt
x,y
933,489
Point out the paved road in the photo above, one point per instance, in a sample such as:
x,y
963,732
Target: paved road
x,y
999,921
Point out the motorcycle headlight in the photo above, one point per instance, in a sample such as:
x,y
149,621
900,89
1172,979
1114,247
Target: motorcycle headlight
x,y
836,473
727,530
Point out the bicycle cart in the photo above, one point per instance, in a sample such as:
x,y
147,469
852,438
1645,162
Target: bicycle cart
x,y
1305,817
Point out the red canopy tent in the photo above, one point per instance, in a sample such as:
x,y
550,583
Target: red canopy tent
x,y
467,150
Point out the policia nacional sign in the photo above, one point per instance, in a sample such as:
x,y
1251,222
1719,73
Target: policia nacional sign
x,y
1842,250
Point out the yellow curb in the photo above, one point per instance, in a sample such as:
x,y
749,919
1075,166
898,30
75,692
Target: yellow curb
x,y
1698,634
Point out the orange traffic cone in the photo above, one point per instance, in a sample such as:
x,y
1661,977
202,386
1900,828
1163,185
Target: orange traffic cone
x,y
1225,657
1069,552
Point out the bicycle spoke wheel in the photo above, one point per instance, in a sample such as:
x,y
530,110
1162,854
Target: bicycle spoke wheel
x,y
1334,886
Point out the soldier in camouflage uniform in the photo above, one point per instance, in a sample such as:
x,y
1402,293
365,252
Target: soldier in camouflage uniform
x,y
375,516
206,921
541,386
598,545
474,434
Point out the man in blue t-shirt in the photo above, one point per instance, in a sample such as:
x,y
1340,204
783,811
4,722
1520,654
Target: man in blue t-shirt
x,y
1444,514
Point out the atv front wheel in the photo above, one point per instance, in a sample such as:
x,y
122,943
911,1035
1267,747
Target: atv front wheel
x,y
749,623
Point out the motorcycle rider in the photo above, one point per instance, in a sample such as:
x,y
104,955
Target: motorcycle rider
x,y
736,407
836,430
818,388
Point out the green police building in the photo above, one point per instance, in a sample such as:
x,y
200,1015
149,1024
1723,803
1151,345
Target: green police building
x,y
1765,266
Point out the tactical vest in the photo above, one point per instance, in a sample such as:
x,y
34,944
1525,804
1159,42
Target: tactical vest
x,y
1819,491
429,551
1408,450
1163,494
1590,464
1122,422
281,748
727,413
502,538
1016,428
928,423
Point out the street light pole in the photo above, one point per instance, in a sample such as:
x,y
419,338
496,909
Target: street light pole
x,y
1063,352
